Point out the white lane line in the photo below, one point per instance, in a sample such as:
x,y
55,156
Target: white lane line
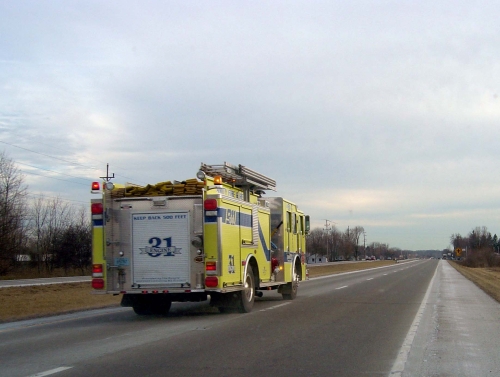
x,y
369,279
399,364
275,307
345,286
49,372
385,274
350,272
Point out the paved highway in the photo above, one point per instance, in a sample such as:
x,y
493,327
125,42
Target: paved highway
x,y
400,320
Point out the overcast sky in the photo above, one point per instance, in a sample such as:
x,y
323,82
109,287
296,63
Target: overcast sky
x,y
381,114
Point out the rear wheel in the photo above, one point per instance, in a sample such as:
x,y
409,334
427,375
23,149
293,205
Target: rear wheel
x,y
140,309
147,305
289,292
161,305
247,295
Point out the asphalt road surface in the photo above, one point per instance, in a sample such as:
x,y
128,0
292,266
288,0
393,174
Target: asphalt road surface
x,y
414,319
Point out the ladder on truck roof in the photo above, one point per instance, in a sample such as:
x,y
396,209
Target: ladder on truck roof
x,y
240,176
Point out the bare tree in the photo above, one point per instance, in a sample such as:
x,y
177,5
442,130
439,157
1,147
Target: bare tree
x,y
74,249
336,239
357,231
316,242
13,211
49,219
347,244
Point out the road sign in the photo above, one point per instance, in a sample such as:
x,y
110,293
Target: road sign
x,y
458,252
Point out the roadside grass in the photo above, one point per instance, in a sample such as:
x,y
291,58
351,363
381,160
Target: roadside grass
x,y
33,273
316,270
20,303
486,278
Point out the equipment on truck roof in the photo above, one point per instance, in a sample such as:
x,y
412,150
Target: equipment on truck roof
x,y
240,176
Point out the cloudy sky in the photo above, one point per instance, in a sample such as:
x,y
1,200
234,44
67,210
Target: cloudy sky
x,y
381,114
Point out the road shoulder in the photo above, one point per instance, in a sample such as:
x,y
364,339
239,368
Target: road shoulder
x,y
455,334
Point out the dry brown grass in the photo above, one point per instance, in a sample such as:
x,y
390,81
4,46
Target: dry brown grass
x,y
30,302
316,270
33,273
488,279
37,301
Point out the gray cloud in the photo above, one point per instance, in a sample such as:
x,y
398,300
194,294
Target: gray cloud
x,y
374,114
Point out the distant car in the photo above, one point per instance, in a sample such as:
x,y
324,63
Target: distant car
x,y
389,258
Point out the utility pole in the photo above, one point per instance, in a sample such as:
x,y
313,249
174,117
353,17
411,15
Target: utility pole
x,y
328,228
364,243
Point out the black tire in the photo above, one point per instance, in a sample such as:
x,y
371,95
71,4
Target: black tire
x,y
247,295
161,306
148,305
290,290
140,309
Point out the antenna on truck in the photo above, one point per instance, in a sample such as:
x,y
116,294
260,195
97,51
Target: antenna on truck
x,y
107,178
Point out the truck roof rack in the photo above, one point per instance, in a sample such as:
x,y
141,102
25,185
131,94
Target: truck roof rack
x,y
240,176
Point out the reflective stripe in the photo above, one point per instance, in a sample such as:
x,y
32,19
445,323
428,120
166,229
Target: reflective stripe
x,y
231,217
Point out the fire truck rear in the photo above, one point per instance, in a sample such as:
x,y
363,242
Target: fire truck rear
x,y
214,236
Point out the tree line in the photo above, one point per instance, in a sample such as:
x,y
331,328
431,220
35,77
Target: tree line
x,y
44,233
347,245
479,247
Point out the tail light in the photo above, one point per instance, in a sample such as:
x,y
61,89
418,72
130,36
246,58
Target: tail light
x,y
97,271
274,264
96,208
211,207
211,266
210,204
211,281
98,283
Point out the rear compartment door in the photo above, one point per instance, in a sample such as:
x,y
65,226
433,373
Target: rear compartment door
x,y
160,249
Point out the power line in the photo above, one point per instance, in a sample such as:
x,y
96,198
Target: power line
x,y
56,197
58,179
53,171
60,149
61,159
46,155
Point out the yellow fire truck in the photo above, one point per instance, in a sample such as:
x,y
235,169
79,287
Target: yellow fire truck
x,y
214,236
